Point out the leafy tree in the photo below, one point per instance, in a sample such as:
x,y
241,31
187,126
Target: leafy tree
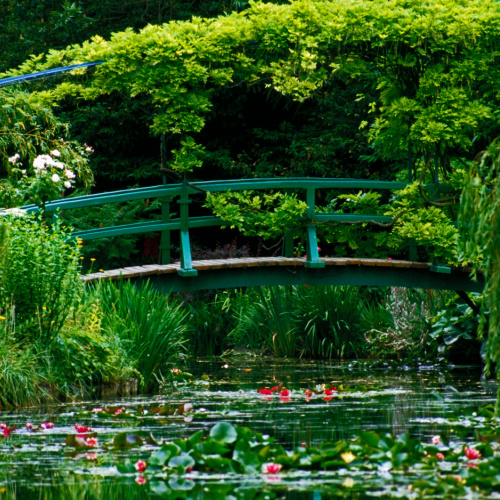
x,y
480,229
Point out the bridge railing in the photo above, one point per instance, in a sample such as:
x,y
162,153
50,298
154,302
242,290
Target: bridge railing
x,y
186,190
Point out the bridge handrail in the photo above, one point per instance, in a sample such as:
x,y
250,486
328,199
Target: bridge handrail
x,y
184,190
213,187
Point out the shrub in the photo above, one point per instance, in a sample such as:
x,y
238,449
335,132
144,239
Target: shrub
x,y
22,374
40,277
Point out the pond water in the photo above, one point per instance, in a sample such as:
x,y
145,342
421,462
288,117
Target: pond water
x,y
422,400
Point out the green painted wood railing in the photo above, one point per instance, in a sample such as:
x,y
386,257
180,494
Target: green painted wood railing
x,y
167,192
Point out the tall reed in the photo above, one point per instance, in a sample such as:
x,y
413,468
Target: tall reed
x,y
154,323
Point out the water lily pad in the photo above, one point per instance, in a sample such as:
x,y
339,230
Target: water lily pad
x,y
127,440
223,432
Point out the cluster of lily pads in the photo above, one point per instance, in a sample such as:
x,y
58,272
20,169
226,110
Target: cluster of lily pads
x,y
374,462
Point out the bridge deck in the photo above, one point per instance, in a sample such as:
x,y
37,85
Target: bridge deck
x,y
256,271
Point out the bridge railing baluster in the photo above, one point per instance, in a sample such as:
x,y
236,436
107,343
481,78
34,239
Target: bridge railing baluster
x,y
186,268
312,259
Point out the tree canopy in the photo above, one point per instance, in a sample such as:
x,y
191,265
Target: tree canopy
x,y
433,65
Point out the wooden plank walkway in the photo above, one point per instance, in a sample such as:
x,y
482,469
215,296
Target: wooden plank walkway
x,y
249,262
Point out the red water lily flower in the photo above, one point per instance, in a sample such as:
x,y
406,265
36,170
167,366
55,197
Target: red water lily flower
x,y
271,468
472,453
285,393
308,393
265,391
82,428
328,392
47,425
140,465
275,388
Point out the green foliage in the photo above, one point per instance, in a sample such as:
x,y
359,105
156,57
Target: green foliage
x,y
354,239
22,366
210,324
331,319
118,251
480,230
151,323
267,216
268,321
85,355
416,221
30,129
302,321
40,278
431,66
455,329
427,226
407,337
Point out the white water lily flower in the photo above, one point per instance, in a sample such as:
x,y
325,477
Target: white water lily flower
x,y
56,152
55,178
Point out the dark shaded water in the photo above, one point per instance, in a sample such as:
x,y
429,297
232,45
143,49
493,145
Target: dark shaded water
x,y
423,401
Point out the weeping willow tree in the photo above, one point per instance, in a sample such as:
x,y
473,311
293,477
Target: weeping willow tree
x,y
480,227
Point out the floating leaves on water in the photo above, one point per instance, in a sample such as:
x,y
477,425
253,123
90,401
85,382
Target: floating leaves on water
x,y
127,440
224,432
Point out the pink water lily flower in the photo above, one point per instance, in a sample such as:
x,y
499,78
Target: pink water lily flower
x,y
439,456
140,480
472,453
436,439
140,465
271,468
29,426
91,442
47,425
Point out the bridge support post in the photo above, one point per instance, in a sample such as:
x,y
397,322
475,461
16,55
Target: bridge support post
x,y
186,268
312,260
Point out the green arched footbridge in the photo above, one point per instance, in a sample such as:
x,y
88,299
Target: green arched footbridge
x,y
189,275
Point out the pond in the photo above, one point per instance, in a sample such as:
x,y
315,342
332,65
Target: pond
x,y
422,400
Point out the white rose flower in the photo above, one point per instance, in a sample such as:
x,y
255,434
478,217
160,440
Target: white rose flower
x,y
55,178
69,174
67,184
56,152
58,164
